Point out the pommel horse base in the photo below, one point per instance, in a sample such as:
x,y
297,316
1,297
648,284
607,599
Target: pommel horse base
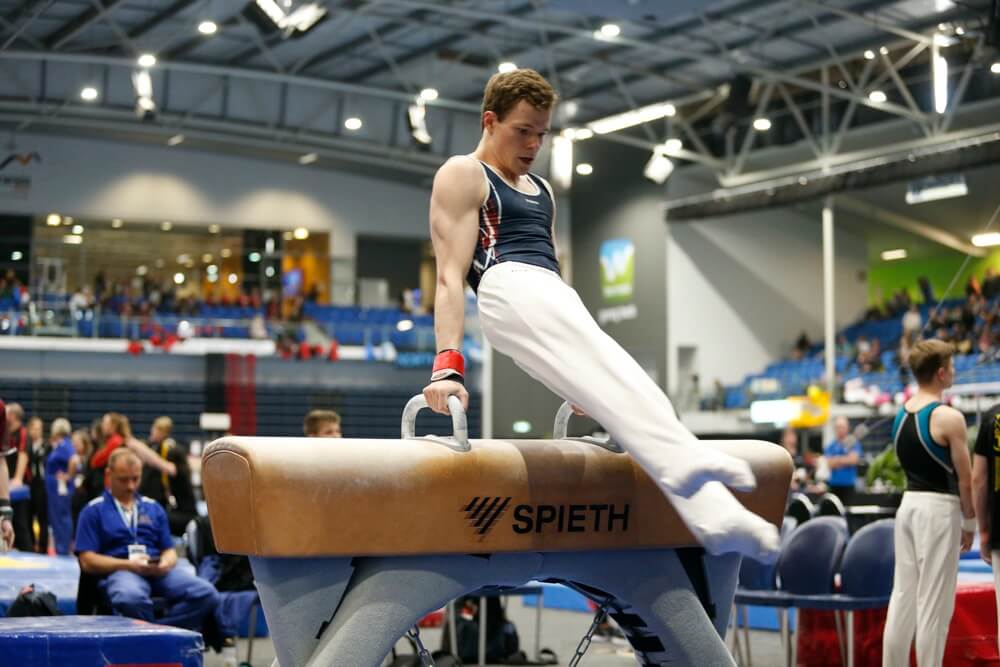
x,y
352,541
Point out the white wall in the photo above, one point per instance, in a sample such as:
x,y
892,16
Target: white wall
x,y
103,179
742,288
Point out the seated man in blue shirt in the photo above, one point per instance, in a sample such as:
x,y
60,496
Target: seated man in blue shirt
x,y
842,456
125,538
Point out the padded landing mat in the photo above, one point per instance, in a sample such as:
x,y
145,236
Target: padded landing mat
x,y
96,641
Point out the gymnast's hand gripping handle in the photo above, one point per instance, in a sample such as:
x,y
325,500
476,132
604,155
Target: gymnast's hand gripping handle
x,y
459,424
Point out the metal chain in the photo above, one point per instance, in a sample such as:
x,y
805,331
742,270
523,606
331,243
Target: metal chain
x,y
584,644
425,656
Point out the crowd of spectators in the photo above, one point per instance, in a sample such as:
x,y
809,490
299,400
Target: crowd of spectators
x,y
971,324
143,296
65,469
120,503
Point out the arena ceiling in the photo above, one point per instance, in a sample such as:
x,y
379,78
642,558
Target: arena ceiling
x,y
811,67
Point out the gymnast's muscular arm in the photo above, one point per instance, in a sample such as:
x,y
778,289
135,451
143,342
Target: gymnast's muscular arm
x,y
948,426
458,192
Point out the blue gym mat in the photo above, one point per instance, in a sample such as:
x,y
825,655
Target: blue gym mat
x,y
96,641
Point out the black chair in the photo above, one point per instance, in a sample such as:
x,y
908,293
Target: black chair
x,y
800,508
830,505
89,601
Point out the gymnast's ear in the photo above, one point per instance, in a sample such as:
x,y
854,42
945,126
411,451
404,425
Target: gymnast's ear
x,y
490,120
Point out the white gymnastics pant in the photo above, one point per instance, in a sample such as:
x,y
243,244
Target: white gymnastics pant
x,y
529,314
927,538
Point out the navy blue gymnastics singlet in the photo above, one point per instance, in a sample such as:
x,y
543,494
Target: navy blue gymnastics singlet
x,y
514,226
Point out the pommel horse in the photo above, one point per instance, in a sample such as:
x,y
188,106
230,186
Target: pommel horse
x,y
352,541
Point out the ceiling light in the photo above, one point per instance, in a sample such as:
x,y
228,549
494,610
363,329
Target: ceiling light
x,y
429,94
269,272
353,123
673,146
77,229
68,220
995,67
183,259
166,226
959,30
254,257
308,158
213,229
659,168
884,50
416,117
287,236
610,30
569,133
208,27
141,270
890,255
761,124
179,278
877,97
207,258
117,223
301,19
301,233
53,220
634,117
869,55
233,278
142,82
212,268
73,239
933,188
88,94
585,169
147,60
584,133
225,253
986,240
506,66
404,325
175,140
939,77
16,256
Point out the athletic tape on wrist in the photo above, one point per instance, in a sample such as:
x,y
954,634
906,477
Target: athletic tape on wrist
x,y
969,525
448,365
6,511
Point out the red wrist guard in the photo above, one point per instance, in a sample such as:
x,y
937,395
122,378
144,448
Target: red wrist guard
x,y
447,364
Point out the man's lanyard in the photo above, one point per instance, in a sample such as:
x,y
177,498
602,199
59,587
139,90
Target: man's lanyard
x,y
133,525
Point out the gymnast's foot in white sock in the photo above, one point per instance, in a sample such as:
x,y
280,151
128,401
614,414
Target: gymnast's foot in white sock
x,y
696,465
723,525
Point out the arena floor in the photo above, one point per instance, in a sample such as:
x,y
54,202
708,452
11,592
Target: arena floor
x,y
561,632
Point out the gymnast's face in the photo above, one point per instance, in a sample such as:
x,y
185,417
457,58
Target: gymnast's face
x,y
517,138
